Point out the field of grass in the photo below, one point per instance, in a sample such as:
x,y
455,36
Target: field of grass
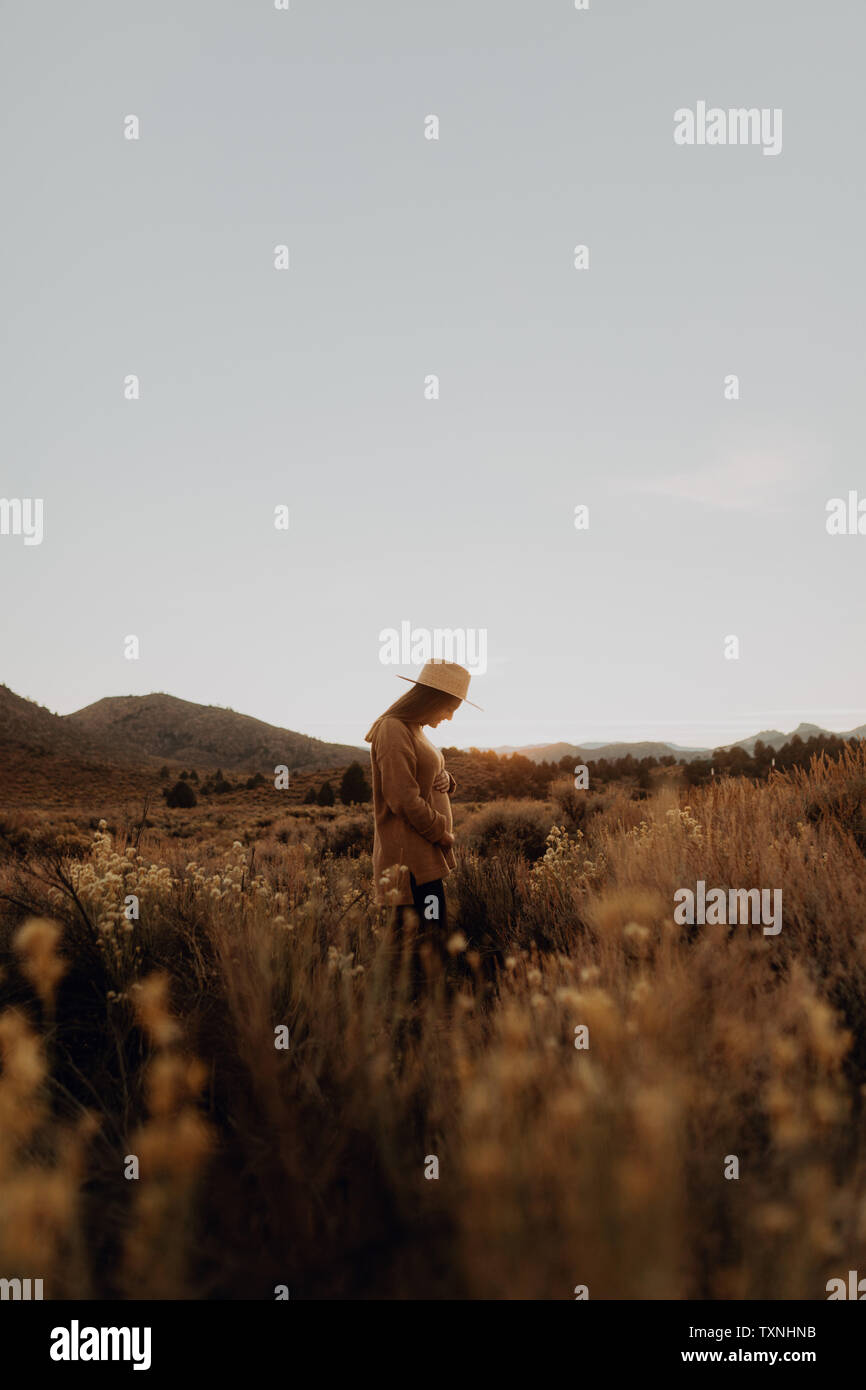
x,y
261,1166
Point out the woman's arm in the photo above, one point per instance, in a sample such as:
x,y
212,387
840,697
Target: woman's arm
x,y
394,750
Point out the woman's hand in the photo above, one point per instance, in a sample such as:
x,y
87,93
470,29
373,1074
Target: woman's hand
x,y
447,840
442,781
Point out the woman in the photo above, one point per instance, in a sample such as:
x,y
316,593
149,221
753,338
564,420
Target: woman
x,y
413,838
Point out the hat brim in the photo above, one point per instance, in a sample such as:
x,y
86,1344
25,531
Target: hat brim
x,y
461,698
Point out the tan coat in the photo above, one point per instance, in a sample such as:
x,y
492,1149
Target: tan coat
x,y
409,816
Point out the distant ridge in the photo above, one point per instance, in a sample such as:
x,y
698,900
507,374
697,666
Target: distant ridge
x,y
773,738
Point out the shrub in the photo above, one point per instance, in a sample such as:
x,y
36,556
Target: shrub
x,y
574,806
180,795
349,835
509,827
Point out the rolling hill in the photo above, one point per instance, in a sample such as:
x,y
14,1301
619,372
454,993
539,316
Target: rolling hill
x,y
31,729
165,728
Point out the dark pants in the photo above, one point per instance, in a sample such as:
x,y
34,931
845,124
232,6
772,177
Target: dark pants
x,y
428,943
421,893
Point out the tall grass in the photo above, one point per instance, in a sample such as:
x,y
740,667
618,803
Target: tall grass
x,y
154,1038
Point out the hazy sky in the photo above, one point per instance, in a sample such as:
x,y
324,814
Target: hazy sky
x,y
410,256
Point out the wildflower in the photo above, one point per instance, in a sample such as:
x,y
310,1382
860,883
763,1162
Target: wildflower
x,y
36,943
635,932
151,1007
567,995
774,1219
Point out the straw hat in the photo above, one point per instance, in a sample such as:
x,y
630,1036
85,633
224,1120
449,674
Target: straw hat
x,y
446,676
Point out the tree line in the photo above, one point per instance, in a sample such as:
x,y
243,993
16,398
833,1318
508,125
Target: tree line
x,y
513,775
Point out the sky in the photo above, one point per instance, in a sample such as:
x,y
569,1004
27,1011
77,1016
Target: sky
x,y
409,257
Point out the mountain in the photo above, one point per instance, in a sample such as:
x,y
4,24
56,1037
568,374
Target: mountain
x,y
163,727
31,729
642,750
773,738
44,760
540,752
552,752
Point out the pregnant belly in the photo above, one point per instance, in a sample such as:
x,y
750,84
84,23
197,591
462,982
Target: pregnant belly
x,y
441,802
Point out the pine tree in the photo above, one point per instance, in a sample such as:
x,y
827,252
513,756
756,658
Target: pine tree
x,y
181,795
326,795
353,786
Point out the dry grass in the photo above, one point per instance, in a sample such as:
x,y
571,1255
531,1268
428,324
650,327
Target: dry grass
x,y
557,1166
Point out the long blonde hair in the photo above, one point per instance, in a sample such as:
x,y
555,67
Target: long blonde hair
x,y
420,704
